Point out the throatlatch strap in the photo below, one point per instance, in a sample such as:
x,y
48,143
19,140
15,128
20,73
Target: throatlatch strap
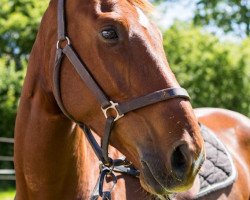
x,y
94,144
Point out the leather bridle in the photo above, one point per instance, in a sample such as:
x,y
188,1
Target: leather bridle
x,y
107,165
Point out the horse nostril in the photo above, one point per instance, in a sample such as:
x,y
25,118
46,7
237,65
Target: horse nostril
x,y
181,161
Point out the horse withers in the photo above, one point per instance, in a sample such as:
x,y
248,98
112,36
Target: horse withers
x,y
121,53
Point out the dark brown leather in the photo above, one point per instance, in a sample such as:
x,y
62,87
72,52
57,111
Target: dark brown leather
x,y
86,76
61,20
106,137
95,146
152,98
91,83
122,108
56,83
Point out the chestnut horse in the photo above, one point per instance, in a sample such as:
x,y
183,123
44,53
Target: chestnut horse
x,y
123,52
234,130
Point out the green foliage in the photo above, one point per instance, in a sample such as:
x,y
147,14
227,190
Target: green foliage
x,y
19,20
215,73
10,88
7,194
230,15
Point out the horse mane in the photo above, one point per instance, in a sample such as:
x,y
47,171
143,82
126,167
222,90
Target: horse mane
x,y
142,4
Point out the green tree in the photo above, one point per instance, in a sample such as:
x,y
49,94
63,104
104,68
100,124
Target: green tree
x,y
19,20
10,90
230,15
215,73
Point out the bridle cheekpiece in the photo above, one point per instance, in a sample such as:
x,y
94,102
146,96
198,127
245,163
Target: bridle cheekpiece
x,y
107,165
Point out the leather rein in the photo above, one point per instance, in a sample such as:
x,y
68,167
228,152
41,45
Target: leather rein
x,y
107,165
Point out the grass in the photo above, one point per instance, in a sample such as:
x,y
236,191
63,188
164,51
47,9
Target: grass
x,y
7,194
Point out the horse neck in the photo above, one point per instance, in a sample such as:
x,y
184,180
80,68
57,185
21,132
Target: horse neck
x,y
49,148
53,159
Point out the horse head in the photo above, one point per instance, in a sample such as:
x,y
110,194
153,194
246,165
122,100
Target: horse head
x,y
124,54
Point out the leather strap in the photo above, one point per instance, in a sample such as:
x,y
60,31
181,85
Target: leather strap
x,y
98,189
108,165
152,98
61,20
56,84
106,138
94,144
122,108
85,75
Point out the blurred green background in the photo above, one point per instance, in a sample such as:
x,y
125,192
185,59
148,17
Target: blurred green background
x,y
208,50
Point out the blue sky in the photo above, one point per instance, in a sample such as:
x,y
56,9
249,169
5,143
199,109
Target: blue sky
x,y
165,14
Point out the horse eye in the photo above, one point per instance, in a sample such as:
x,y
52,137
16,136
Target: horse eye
x,y
109,34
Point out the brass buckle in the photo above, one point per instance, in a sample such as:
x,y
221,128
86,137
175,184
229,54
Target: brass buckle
x,y
112,106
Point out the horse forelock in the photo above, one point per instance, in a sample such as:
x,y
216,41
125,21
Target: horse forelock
x,y
142,4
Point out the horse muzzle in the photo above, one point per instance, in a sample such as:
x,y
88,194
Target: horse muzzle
x,y
158,179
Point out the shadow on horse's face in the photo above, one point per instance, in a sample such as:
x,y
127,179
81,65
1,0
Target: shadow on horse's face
x,y
123,51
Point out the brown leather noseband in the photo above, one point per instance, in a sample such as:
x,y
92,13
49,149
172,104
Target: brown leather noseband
x,y
107,164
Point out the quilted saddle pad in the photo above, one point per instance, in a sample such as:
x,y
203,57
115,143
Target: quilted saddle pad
x,y
218,170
